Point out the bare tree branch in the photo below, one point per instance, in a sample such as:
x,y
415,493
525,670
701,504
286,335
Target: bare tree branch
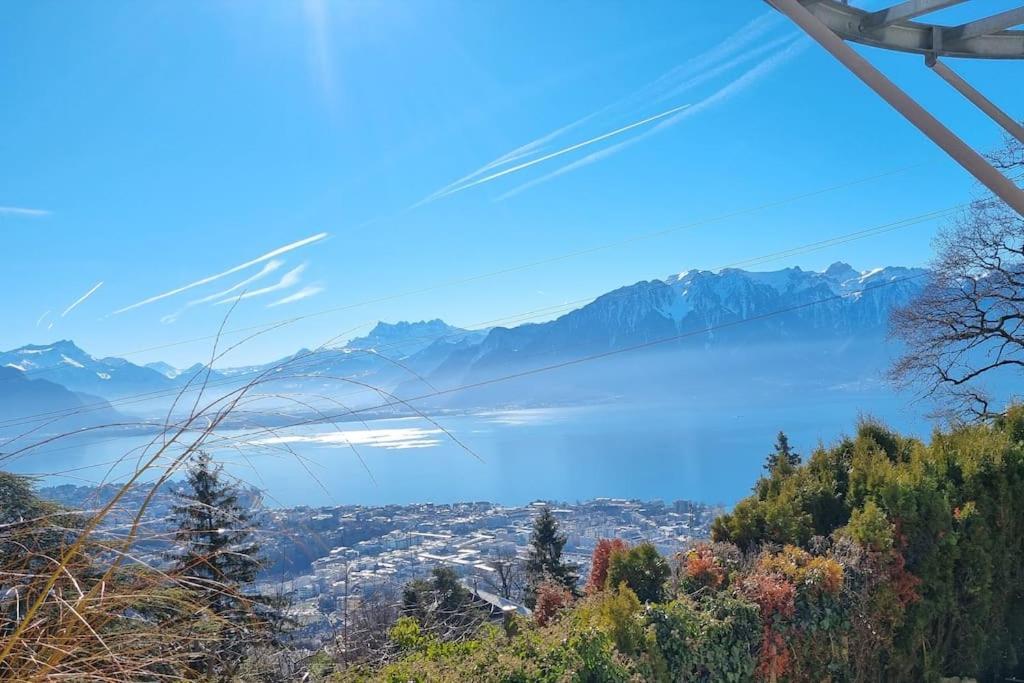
x,y
967,325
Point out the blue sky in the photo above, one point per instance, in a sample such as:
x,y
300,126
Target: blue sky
x,y
152,145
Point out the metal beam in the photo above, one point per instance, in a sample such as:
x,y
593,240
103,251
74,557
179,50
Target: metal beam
x,y
984,27
903,12
977,99
911,36
973,162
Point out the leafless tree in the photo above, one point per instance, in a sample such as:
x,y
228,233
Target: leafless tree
x,y
967,325
1009,158
509,578
366,636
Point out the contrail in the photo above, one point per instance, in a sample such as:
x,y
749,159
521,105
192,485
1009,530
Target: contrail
x,y
42,318
747,79
206,280
518,153
270,267
744,81
732,43
566,150
304,293
81,299
22,211
715,71
287,280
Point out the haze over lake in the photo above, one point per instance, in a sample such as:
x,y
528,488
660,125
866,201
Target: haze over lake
x,y
658,450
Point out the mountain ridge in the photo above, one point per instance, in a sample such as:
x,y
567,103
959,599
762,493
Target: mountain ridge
x,y
694,309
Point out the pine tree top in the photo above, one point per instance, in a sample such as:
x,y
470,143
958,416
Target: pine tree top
x,y
215,534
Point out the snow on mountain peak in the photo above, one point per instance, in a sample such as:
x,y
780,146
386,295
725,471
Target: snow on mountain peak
x,y
402,329
687,276
839,278
66,364
840,270
165,369
34,350
406,338
70,361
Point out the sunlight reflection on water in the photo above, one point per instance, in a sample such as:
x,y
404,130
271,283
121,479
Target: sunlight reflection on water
x,y
392,439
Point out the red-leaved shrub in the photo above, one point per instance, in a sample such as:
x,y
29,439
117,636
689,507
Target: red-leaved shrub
x,y
703,568
551,599
603,551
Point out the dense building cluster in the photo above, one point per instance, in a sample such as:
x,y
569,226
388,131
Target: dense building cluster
x,y
331,561
371,552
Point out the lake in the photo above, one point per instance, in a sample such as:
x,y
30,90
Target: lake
x,y
667,451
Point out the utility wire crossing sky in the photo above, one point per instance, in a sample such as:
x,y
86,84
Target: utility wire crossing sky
x,y
282,124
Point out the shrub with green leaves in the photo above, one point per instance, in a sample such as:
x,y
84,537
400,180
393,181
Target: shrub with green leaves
x,y
641,568
715,638
880,558
942,524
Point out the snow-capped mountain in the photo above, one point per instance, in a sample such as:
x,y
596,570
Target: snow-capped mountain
x,y
406,339
702,309
66,364
836,318
387,355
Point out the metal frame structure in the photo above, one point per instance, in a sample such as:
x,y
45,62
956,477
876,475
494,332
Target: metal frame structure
x,y
832,23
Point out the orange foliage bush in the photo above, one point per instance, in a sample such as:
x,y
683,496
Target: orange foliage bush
x,y
802,568
703,568
776,596
603,551
551,599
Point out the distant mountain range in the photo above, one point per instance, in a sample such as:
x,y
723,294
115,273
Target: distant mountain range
x,y
64,363
825,328
46,402
708,308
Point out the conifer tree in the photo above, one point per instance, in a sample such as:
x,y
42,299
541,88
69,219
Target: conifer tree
x,y
217,558
33,528
544,562
784,458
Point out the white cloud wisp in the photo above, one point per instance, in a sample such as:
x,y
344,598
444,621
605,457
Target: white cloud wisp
x,y
270,267
22,211
304,293
230,271
289,279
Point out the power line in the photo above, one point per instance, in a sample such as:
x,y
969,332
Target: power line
x,y
802,249
524,266
232,379
603,354
541,369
